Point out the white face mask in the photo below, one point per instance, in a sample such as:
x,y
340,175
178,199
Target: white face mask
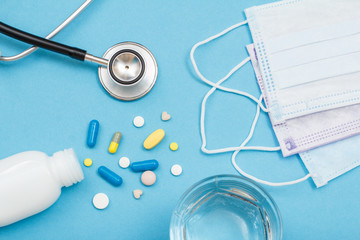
x,y
327,162
312,68
301,56
306,132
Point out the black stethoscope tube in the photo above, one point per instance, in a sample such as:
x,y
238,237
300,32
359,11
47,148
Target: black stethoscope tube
x,y
12,32
115,82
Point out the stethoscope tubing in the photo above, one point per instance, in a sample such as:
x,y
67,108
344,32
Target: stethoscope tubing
x,y
50,35
15,33
50,45
127,90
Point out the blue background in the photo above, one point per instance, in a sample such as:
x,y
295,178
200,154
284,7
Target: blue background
x,y
47,101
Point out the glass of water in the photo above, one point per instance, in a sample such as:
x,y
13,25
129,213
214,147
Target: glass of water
x,y
226,207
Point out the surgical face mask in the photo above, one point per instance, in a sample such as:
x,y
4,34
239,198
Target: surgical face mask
x,y
326,162
332,160
313,130
309,63
304,75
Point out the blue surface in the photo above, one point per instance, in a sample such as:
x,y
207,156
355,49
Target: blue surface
x,y
48,100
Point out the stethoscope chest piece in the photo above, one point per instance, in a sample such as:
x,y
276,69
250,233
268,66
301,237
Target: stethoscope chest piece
x,y
131,72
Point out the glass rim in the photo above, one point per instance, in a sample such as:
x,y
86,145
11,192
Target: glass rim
x,y
176,218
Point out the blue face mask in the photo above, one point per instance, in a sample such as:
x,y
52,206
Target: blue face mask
x,y
307,96
330,161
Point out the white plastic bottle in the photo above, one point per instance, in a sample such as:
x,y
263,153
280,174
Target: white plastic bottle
x,y
30,182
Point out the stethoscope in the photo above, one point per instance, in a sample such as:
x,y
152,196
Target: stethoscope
x,y
127,70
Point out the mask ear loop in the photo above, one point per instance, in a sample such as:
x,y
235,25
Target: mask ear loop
x,y
198,73
259,105
242,147
217,86
202,120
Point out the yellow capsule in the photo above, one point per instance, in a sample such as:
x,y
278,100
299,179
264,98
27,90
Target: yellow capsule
x,y
154,139
88,162
115,142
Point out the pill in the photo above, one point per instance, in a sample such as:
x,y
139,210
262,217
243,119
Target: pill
x,y
115,142
144,165
110,176
92,133
88,162
148,178
154,139
124,162
174,146
165,116
100,201
138,121
137,193
176,170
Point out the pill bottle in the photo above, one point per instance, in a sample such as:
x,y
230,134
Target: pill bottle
x,y
30,182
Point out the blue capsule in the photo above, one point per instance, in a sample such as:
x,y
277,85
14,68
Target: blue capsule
x,y
144,165
92,133
110,176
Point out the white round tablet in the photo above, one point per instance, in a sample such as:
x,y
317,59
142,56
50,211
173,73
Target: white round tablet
x,y
138,121
148,178
124,162
176,170
101,201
